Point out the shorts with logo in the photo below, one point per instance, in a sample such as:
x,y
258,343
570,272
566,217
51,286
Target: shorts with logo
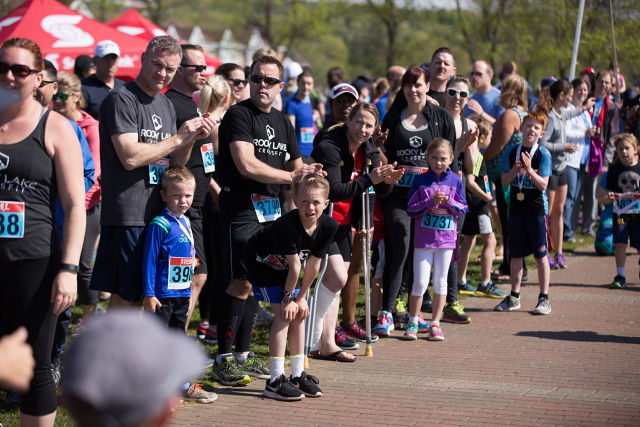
x,y
118,266
271,294
625,233
476,223
528,234
195,216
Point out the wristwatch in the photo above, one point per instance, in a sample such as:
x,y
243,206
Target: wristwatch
x,y
69,267
287,297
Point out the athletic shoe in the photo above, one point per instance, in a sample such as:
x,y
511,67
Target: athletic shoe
x,y
618,282
435,333
543,307
510,303
427,304
264,316
207,334
411,331
560,260
254,367
201,330
490,290
401,306
343,341
454,313
197,394
307,384
465,288
228,373
423,325
282,389
385,326
355,332
552,264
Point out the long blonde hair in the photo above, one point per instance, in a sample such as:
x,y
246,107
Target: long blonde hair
x,y
514,92
213,92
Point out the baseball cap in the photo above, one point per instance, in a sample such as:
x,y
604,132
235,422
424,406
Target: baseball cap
x,y
106,47
127,365
547,81
343,88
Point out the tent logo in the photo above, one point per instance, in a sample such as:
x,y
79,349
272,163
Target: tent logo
x,y
63,28
415,141
270,132
9,21
157,122
4,161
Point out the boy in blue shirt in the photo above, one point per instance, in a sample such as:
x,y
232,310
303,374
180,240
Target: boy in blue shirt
x,y
168,261
527,167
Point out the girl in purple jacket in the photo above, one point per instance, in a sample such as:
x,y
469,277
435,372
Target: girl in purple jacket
x,y
436,201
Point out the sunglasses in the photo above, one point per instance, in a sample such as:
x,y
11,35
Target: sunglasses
x,y
18,70
47,82
475,73
269,81
62,96
454,92
197,68
238,82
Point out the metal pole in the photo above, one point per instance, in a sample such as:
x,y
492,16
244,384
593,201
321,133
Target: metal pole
x,y
613,46
576,42
366,261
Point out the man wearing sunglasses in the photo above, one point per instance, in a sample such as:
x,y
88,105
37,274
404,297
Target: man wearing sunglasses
x,y
258,154
96,87
484,101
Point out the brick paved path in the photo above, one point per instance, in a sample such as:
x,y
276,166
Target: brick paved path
x,y
580,366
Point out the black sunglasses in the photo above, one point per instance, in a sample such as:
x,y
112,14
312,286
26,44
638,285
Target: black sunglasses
x,y
269,81
238,82
18,70
62,96
453,92
475,73
197,68
47,82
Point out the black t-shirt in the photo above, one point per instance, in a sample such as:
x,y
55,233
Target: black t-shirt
x,y
438,96
274,143
625,179
534,201
186,109
287,236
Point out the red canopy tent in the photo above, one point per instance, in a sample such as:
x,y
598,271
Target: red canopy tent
x,y
133,23
63,34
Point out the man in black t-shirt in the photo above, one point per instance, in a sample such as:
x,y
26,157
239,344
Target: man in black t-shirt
x,y
258,153
189,78
441,68
97,86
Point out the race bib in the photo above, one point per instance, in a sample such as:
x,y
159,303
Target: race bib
x,y
267,208
410,172
437,222
487,185
156,169
180,270
623,203
306,135
208,158
11,220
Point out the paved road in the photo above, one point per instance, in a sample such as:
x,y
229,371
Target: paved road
x,y
578,366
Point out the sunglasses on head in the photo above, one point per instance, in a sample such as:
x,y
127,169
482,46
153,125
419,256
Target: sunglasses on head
x,y
197,68
269,81
453,92
62,96
47,82
238,82
18,70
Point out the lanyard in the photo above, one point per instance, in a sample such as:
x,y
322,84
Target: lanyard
x,y
186,230
531,153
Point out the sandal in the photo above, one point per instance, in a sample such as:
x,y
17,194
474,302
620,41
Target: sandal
x,y
335,356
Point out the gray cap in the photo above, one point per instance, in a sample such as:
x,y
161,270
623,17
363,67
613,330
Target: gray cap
x,y
127,365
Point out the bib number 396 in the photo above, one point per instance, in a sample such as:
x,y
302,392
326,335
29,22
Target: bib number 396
x,y
267,208
156,169
11,220
180,270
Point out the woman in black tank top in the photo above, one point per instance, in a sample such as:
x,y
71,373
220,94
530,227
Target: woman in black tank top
x,y
39,160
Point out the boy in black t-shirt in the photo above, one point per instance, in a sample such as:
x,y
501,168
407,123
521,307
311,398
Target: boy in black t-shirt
x,y
526,168
274,259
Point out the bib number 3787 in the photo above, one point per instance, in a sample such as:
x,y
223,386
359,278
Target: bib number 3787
x,y
11,220
267,208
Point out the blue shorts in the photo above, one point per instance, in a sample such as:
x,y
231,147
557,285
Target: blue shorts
x,y
528,234
118,266
625,233
272,294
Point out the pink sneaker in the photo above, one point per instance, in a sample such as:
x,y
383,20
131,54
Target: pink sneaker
x,y
435,333
552,263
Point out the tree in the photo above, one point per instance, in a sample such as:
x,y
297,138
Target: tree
x,y
391,15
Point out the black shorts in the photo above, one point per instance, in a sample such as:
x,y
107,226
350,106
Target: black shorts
x,y
263,276
624,233
528,234
342,243
118,266
237,237
557,179
476,223
195,216
173,312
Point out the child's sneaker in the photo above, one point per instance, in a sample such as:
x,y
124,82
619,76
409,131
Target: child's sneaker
x,y
401,307
282,389
510,303
543,307
423,325
201,330
490,290
308,384
385,326
355,332
197,394
411,331
207,334
552,264
435,333
427,304
454,313
343,341
254,367
465,288
560,261
228,373
618,282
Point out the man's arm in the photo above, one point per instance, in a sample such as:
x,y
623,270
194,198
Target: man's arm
x,y
249,166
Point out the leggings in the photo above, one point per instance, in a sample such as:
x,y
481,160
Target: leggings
x,y
397,251
85,295
25,294
424,259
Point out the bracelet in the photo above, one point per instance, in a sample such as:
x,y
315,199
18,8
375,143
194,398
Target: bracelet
x,y
69,267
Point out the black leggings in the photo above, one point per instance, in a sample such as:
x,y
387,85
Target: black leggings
x,y
398,265
25,293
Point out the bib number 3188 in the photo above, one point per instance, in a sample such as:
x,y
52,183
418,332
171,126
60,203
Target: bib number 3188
x,y
11,220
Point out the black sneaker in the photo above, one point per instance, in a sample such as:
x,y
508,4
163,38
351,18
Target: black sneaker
x,y
281,389
427,304
618,282
307,385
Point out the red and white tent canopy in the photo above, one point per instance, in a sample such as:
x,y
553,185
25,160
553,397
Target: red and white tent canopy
x,y
63,34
